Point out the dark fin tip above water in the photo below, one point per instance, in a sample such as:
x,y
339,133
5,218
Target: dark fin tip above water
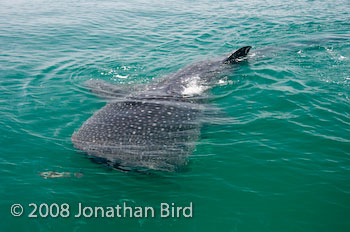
x,y
238,55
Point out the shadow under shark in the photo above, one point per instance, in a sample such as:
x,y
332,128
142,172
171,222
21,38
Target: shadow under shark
x,y
155,128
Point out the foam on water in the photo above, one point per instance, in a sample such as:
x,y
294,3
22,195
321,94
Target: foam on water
x,y
194,86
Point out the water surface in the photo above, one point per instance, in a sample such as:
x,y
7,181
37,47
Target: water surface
x,y
275,158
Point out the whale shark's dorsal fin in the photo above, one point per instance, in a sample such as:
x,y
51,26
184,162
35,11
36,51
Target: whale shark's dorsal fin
x,y
238,55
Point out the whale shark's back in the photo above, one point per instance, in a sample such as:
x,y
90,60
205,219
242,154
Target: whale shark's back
x,y
141,134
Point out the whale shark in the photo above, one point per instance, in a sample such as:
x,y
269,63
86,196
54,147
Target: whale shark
x,y
155,127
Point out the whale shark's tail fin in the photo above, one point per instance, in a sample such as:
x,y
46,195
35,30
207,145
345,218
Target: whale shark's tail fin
x,y
238,55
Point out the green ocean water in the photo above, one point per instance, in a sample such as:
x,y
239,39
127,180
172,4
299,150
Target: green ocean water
x,y
276,157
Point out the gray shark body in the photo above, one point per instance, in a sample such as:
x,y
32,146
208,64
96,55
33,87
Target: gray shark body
x,y
155,128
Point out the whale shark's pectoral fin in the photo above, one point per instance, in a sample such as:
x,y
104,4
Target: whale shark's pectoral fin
x,y
238,55
105,89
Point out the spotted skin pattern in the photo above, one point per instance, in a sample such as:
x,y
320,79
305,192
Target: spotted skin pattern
x,y
151,129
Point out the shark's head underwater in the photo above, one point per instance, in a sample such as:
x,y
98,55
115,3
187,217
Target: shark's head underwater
x,y
154,128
